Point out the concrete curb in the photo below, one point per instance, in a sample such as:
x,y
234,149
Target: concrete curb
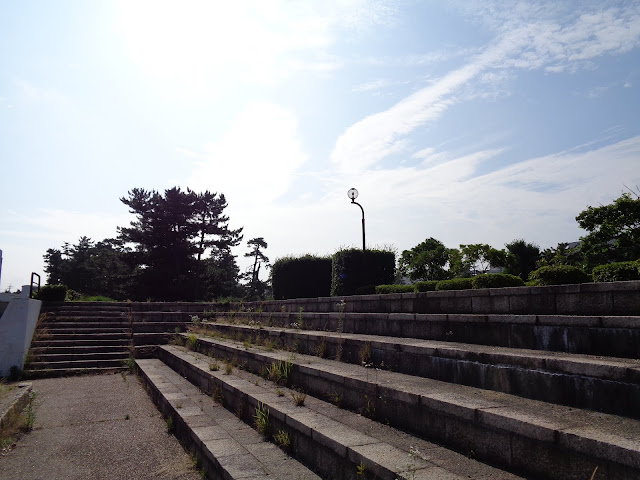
x,y
20,401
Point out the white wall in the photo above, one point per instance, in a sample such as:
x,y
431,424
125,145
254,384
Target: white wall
x,y
16,331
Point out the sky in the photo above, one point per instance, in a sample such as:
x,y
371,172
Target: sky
x,y
467,121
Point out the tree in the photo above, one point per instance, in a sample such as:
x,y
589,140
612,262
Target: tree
x,y
169,237
477,255
561,255
459,265
521,258
256,287
614,231
425,261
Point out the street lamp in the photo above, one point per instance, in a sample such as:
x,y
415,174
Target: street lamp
x,y
353,194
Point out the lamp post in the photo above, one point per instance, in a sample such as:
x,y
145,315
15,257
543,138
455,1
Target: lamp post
x,y
353,194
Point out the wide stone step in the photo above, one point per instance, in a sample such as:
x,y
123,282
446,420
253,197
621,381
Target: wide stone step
x,y
519,434
178,316
102,330
81,341
51,357
592,335
333,441
84,319
77,364
610,385
102,324
223,444
67,372
158,327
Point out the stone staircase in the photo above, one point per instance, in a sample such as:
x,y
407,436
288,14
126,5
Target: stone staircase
x,y
537,383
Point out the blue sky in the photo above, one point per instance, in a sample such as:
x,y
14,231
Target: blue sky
x,y
469,121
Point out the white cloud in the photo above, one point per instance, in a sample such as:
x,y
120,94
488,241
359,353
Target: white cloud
x,y
255,158
522,43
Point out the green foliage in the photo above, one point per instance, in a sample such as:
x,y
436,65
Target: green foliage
x,y
496,280
521,258
614,231
561,255
353,268
307,276
52,293
366,290
262,420
427,286
256,288
617,272
558,275
477,256
455,284
384,289
425,261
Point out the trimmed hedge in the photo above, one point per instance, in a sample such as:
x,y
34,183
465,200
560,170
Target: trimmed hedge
x,y
52,293
308,276
427,286
353,268
455,284
384,289
559,275
496,280
617,272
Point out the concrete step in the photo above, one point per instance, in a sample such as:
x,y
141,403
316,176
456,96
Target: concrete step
x,y
50,357
334,442
519,434
604,384
80,341
106,330
223,444
77,364
81,319
158,327
173,316
103,324
611,336
67,372
78,349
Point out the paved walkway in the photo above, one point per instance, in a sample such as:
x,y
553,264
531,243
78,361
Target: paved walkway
x,y
98,427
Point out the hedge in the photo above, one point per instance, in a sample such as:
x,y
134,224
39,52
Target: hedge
x,y
384,289
559,275
52,293
353,268
455,284
308,276
496,280
617,272
427,286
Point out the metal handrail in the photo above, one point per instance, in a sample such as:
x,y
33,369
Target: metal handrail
x,y
33,274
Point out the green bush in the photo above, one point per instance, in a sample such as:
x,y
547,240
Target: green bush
x,y
353,268
496,280
384,289
52,293
301,277
366,290
617,272
455,284
427,286
558,275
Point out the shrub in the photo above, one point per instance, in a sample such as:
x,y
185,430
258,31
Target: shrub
x,y
496,280
617,272
366,290
558,275
427,286
455,284
353,268
384,289
52,293
308,276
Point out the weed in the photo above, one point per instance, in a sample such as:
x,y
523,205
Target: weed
x,y
336,399
247,344
176,330
30,415
269,344
298,398
195,319
593,475
169,422
192,342
279,372
369,409
282,308
365,355
361,469
321,348
179,405
283,439
279,392
214,366
271,319
127,417
217,394
228,367
262,421
300,317
130,363
339,351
